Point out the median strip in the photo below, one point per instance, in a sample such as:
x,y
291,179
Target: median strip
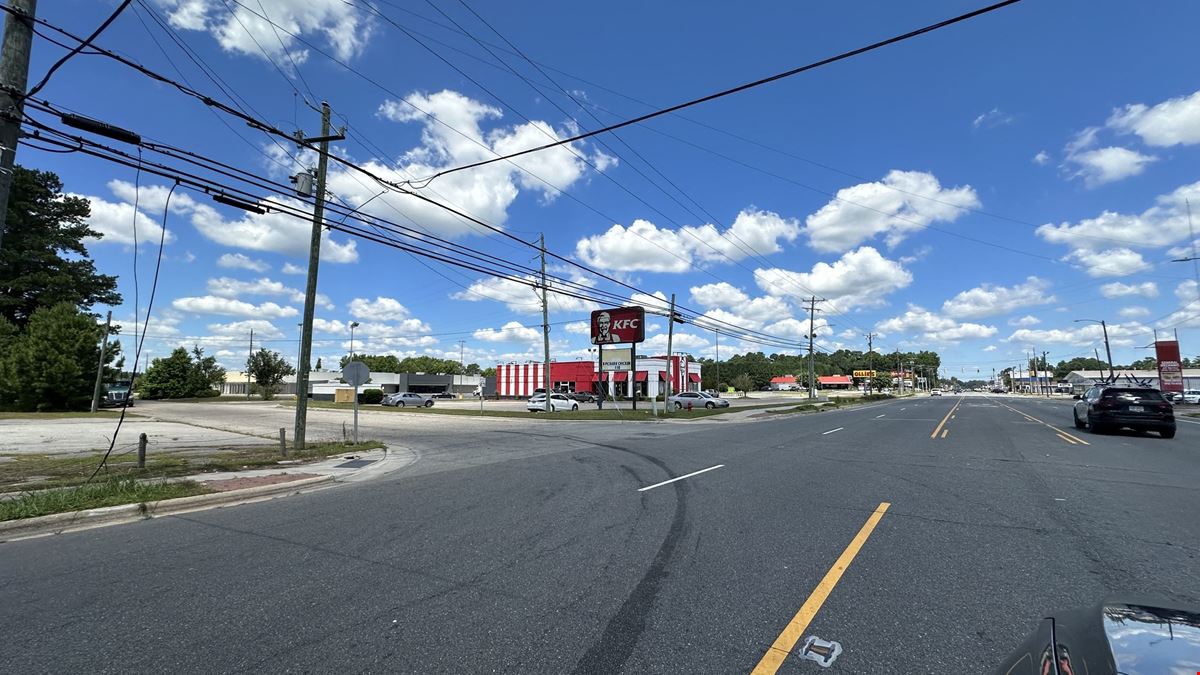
x,y
686,475
783,645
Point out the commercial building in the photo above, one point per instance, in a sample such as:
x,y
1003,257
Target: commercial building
x,y
1082,380
647,377
323,384
785,383
834,381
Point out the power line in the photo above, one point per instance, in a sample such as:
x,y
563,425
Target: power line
x,y
82,45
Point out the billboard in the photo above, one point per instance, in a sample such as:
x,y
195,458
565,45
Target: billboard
x,y
864,373
617,359
1170,374
619,325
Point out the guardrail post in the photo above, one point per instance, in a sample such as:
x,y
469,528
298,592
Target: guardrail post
x,y
283,441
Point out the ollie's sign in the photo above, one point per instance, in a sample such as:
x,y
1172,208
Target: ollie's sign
x,y
618,326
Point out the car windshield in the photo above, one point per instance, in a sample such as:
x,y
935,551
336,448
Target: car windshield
x,y
1133,395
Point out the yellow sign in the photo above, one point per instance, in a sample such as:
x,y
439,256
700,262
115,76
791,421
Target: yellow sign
x,y
864,373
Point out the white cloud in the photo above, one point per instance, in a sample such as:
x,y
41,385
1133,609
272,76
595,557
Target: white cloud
x,y
990,348
522,298
379,309
582,328
680,342
1175,121
274,231
992,118
1133,312
1042,158
1106,165
245,29
643,246
1188,250
262,328
721,294
1187,292
1160,225
903,203
860,278
1025,321
513,331
240,261
1116,262
930,327
1120,335
989,300
226,287
210,304
1116,289
115,222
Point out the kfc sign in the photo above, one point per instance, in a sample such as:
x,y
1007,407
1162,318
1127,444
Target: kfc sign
x,y
618,326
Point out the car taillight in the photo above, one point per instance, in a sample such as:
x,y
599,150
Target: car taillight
x,y
1105,405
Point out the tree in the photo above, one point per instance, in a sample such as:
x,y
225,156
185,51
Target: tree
x,y
1078,363
268,369
376,364
488,372
182,375
44,261
881,381
743,382
472,369
1147,363
51,365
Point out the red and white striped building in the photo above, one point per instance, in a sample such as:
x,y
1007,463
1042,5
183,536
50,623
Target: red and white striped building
x,y
649,375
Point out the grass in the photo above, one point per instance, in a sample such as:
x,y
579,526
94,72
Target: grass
x,y
108,413
209,399
587,411
45,471
109,492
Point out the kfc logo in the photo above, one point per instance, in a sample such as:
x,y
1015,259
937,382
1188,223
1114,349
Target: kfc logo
x,y
616,326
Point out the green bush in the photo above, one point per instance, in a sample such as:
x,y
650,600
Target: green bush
x,y
372,395
207,393
877,397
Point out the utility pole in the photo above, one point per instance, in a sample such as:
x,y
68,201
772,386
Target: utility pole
x,y
14,78
314,259
1046,368
545,322
812,334
670,337
249,356
100,366
871,362
717,380
462,345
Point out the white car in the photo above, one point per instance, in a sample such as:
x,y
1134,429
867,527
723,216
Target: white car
x,y
558,403
1191,396
406,399
935,392
698,399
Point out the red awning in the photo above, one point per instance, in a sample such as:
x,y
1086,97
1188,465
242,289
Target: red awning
x,y
834,379
640,376
692,377
662,376
595,377
620,376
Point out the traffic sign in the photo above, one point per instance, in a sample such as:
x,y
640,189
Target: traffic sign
x,y
356,373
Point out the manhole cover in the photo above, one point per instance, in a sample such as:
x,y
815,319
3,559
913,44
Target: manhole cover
x,y
355,464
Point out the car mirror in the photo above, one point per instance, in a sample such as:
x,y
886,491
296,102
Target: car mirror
x,y
1077,397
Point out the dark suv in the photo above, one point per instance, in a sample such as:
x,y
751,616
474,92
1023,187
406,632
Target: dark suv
x,y
1109,407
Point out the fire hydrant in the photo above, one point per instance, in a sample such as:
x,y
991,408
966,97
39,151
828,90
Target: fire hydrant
x,y
689,406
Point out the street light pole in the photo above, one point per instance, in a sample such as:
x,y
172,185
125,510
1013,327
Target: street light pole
x,y
1107,348
353,325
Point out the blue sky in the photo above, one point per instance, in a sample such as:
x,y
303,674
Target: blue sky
x,y
972,191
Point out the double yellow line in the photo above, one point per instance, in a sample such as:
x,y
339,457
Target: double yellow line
x,y
1068,437
938,428
783,645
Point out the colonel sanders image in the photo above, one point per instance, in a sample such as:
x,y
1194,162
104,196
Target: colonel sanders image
x,y
603,328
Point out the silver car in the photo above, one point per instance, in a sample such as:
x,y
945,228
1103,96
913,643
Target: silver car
x,y
407,399
697,399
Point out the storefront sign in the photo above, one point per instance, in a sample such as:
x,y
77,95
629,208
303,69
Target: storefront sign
x,y
1170,374
618,325
617,360
864,373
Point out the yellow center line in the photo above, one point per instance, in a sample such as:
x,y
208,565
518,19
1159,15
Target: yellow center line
x,y
1069,437
944,420
783,645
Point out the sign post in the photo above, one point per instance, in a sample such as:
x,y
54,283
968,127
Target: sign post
x,y
356,374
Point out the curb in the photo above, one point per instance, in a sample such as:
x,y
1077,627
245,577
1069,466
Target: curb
x,y
58,523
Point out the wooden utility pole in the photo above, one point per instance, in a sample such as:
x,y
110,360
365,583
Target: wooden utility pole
x,y
670,337
248,357
14,78
314,259
100,366
812,335
871,362
545,324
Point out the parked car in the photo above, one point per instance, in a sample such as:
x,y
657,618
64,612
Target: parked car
x,y
698,399
1174,396
406,399
1191,396
582,397
442,394
1107,407
935,392
558,402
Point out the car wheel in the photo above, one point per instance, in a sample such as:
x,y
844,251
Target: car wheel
x,y
1093,427
575,407
1078,423
1167,433
678,405
428,404
710,405
399,404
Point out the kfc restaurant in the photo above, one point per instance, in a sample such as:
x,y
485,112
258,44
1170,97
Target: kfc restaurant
x,y
647,377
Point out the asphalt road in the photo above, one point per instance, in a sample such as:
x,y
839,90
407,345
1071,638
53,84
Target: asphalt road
x,y
479,558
